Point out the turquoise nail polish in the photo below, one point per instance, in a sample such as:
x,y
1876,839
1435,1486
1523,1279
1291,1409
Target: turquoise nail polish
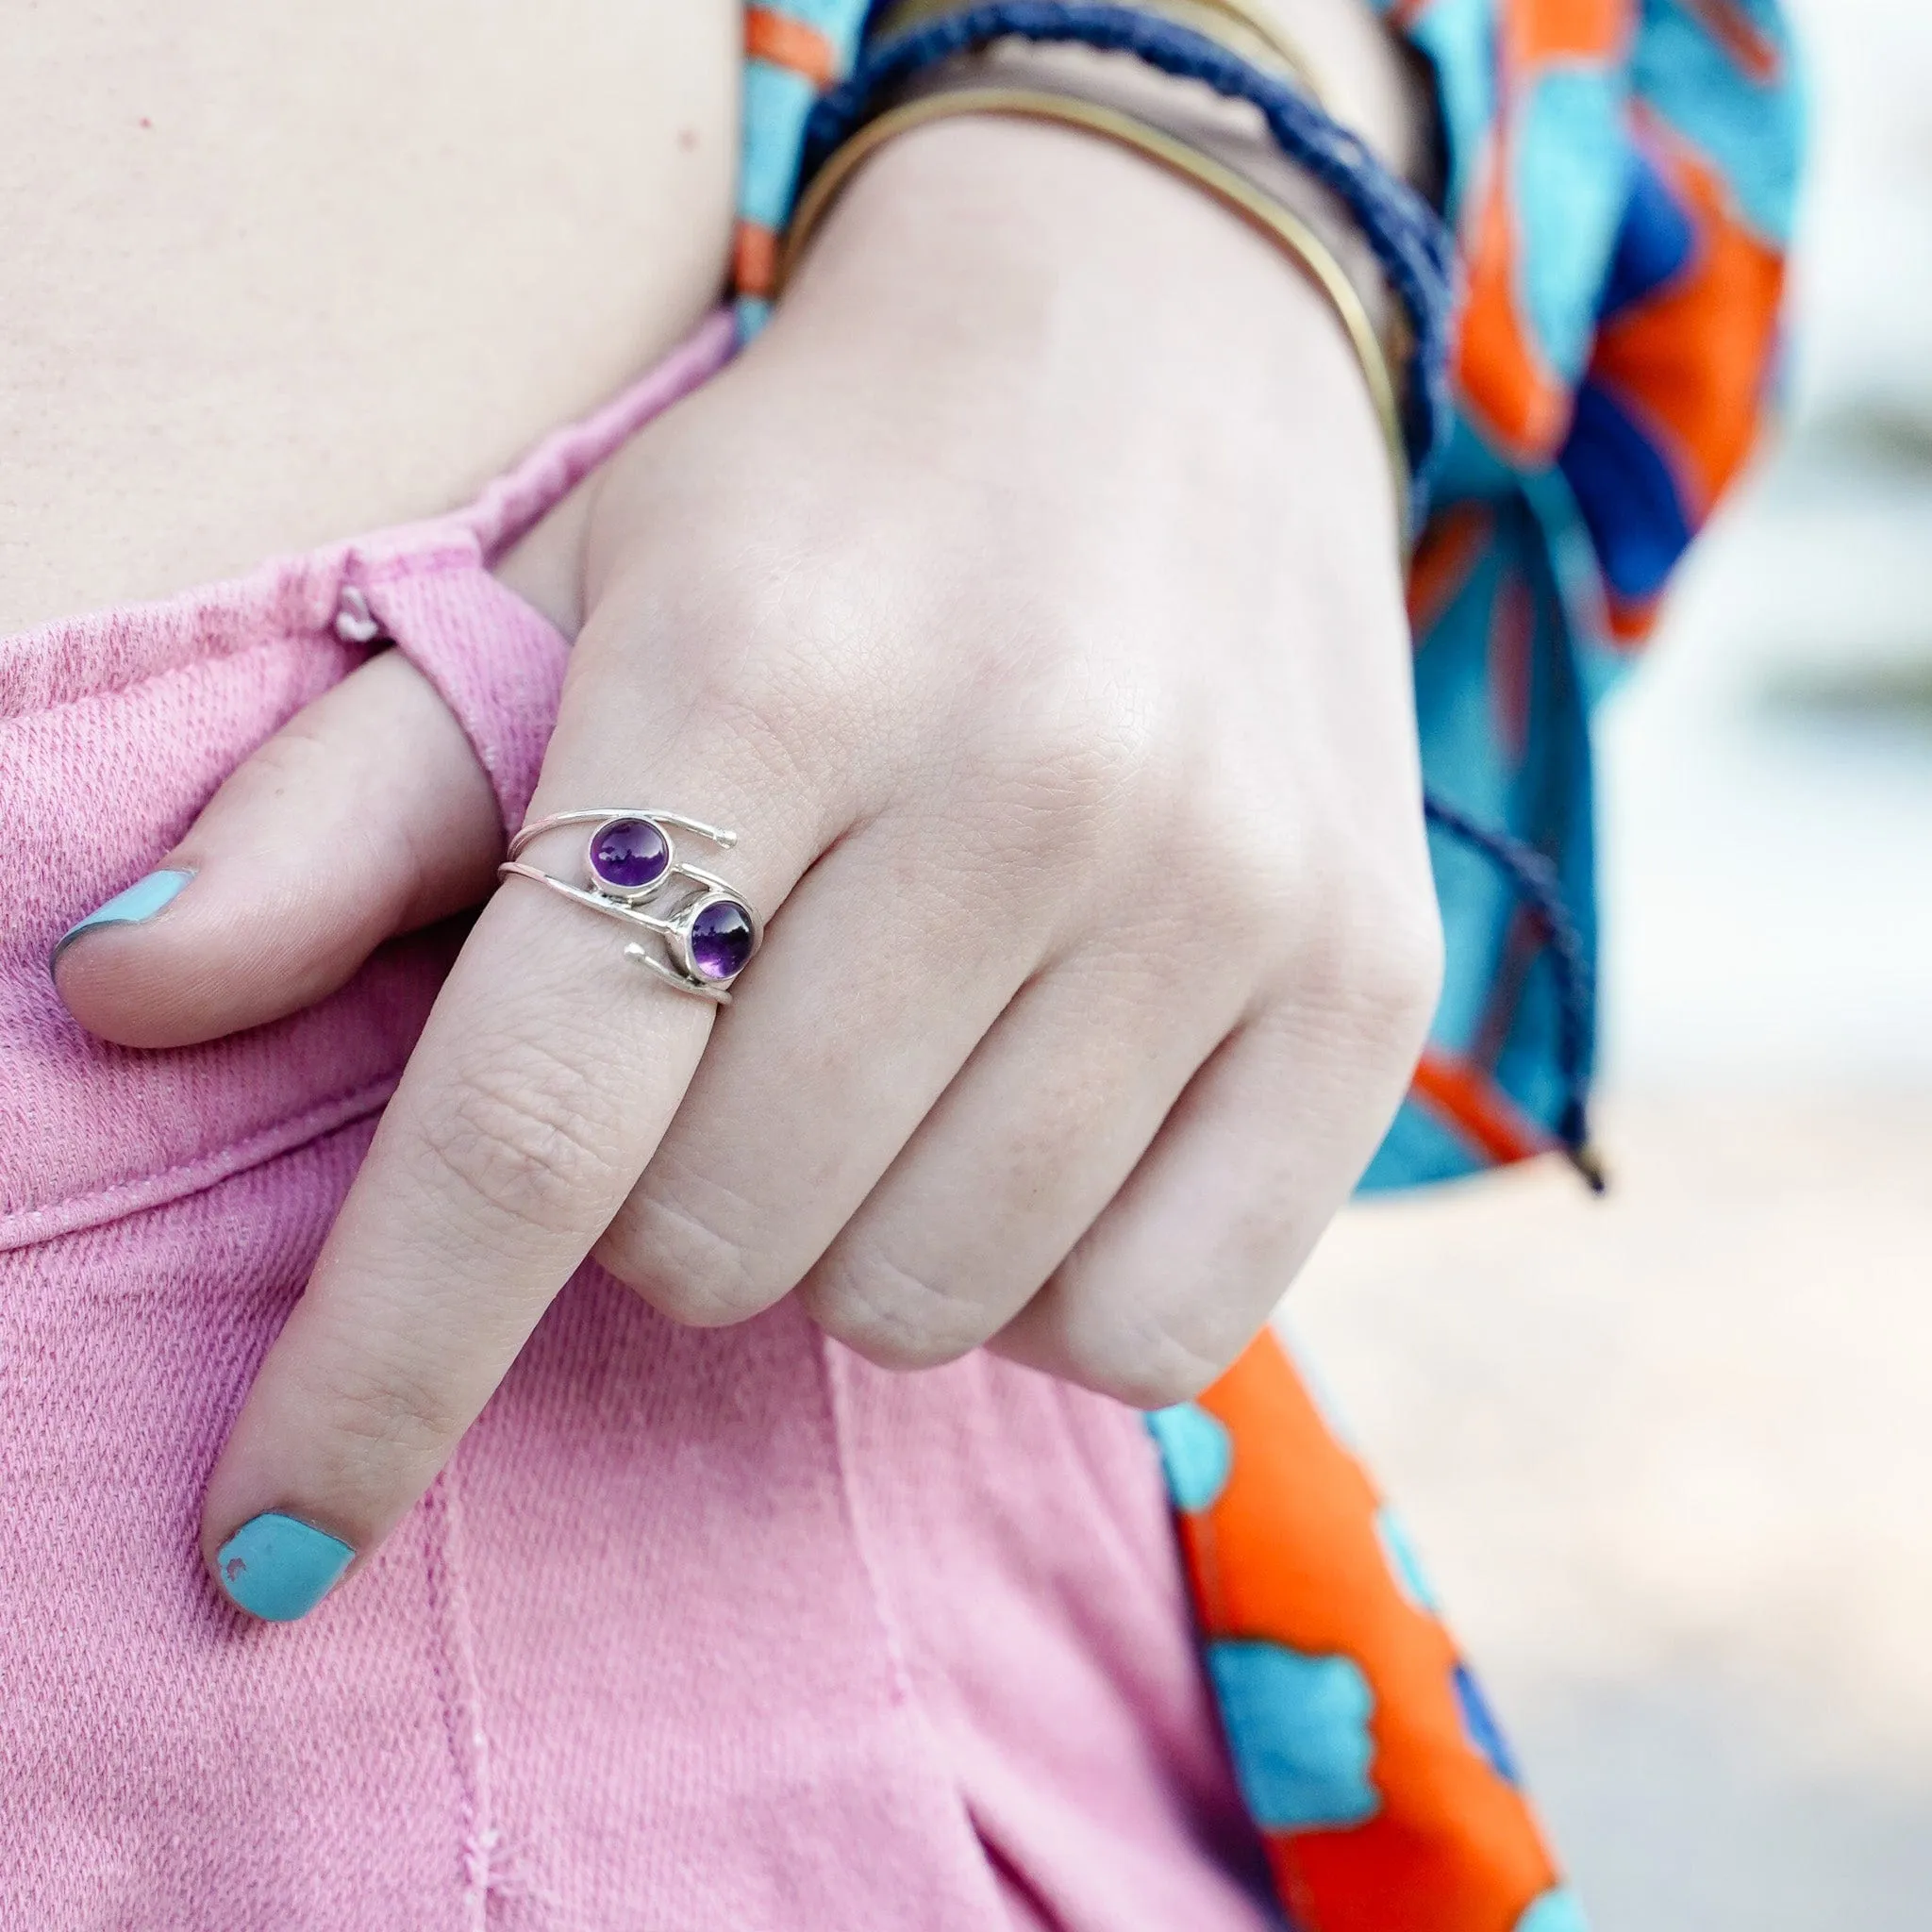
x,y
141,900
278,1569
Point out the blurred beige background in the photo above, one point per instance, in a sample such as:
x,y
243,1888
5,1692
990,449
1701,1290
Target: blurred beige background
x,y
1669,1455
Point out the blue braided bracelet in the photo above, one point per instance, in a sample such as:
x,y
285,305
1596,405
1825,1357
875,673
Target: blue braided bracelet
x,y
1407,236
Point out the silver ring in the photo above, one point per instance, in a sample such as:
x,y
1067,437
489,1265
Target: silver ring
x,y
707,931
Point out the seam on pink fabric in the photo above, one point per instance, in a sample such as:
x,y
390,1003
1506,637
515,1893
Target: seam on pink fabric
x,y
460,1686
833,1371
506,508
280,641
28,1228
836,1415
1133,1555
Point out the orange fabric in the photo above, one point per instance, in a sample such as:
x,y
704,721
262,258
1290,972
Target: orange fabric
x,y
754,260
1630,623
1466,1099
1288,1553
1539,31
1688,363
1503,378
787,43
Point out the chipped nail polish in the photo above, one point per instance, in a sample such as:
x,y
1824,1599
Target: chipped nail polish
x,y
278,1568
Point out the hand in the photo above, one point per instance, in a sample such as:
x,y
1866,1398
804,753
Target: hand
x,y
1028,598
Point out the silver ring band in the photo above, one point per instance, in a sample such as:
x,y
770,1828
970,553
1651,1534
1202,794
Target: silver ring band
x,y
707,930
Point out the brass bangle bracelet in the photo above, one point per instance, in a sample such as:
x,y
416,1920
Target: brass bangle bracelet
x,y
1258,26
1286,230
1253,31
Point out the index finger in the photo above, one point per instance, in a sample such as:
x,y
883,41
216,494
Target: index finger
x,y
549,1067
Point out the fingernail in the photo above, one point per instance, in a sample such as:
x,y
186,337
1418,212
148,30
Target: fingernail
x,y
278,1569
141,901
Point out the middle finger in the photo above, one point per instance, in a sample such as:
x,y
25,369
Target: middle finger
x,y
1023,1152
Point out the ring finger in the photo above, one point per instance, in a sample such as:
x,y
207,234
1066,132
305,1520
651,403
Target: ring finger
x,y
1022,1153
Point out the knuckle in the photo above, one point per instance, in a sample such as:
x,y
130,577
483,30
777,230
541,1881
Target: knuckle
x,y
893,1317
1147,1364
1243,897
1408,983
682,1261
774,708
1394,963
796,687
1367,949
394,1410
528,1137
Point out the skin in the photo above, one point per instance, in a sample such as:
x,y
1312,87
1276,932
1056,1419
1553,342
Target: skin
x,y
277,274
1056,675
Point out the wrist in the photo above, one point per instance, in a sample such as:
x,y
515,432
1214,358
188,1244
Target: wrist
x,y
1010,259
1212,91
1210,131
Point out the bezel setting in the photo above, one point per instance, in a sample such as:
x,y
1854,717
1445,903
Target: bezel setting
x,y
685,939
611,888
668,915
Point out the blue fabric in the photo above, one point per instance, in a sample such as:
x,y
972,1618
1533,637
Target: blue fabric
x,y
1753,132
775,98
1404,1564
1653,245
1571,160
1626,496
1195,1454
1556,1911
1298,1732
1539,889
1480,1727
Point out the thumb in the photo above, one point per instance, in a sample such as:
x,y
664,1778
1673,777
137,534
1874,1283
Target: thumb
x,y
366,815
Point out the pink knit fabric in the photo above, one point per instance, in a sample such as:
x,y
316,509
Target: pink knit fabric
x,y
701,1629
